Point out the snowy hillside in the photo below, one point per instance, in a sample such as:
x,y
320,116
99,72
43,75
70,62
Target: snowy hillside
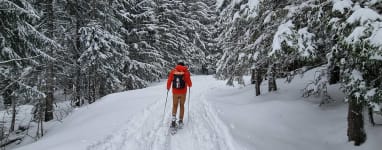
x,y
220,118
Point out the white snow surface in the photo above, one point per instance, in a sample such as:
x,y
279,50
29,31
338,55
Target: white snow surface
x,y
220,118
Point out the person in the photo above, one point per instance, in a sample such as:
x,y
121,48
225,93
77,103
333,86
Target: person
x,y
179,79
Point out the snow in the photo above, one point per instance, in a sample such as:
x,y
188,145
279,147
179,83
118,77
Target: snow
x,y
334,20
356,35
236,15
282,34
268,18
376,57
376,37
371,93
341,5
24,115
219,3
220,118
363,15
356,75
252,4
305,41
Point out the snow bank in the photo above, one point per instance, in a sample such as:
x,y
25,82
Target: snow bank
x,y
283,120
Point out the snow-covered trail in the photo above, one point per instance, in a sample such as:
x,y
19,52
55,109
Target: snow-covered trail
x,y
149,130
133,120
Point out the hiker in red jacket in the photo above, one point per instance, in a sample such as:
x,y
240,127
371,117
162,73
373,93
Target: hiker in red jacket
x,y
178,79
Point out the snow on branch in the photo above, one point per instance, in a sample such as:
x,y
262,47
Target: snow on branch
x,y
363,15
7,61
283,34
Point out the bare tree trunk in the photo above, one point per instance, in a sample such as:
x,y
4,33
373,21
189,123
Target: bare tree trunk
x,y
77,96
49,95
41,126
258,80
371,117
77,88
50,70
272,79
356,131
89,88
40,119
230,81
334,75
13,121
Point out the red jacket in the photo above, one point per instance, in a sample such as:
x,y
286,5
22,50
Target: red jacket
x,y
187,79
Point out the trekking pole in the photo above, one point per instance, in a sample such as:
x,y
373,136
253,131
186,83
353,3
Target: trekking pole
x,y
189,95
164,111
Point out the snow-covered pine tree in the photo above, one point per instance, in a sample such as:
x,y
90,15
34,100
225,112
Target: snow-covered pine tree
x,y
22,53
235,32
47,27
200,15
146,63
358,53
178,33
102,53
280,37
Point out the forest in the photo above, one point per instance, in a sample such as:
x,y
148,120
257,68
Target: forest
x,y
73,52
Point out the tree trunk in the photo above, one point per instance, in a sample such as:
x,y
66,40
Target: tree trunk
x,y
258,80
40,118
49,94
356,131
230,81
13,121
50,68
371,117
272,79
77,88
334,75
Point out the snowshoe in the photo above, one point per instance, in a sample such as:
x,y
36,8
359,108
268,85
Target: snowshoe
x,y
173,128
180,124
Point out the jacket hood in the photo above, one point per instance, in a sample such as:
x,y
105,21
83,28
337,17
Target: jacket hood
x,y
181,68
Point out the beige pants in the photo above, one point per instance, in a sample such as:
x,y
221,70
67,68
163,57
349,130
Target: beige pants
x,y
176,100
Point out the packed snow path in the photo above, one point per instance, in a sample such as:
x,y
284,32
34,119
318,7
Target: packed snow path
x,y
149,130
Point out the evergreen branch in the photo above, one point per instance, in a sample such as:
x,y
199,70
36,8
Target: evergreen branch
x,y
7,61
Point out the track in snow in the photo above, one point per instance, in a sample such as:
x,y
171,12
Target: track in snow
x,y
148,131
